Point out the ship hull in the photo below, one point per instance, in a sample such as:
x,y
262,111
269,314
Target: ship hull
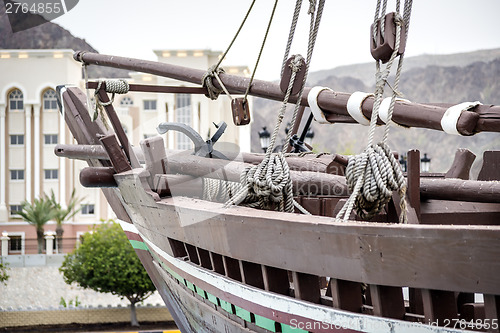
x,y
213,303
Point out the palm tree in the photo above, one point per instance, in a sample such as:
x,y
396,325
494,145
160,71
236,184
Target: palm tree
x,y
63,214
38,214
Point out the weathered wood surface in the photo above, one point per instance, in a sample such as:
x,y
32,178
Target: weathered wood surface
x,y
85,131
460,190
373,253
334,104
304,182
460,168
85,152
315,183
333,163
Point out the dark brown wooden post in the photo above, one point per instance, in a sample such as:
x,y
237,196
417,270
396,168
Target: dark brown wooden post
x,y
387,301
413,179
115,153
252,274
232,268
460,168
492,311
217,263
115,122
276,280
439,306
178,248
307,287
204,256
346,295
491,166
192,254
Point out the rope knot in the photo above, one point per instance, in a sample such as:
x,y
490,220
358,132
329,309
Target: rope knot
x,y
267,184
372,176
296,63
207,81
111,86
115,86
312,7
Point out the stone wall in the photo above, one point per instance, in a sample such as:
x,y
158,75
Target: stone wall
x,y
99,315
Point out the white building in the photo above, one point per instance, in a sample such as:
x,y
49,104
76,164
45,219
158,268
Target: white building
x,y
31,126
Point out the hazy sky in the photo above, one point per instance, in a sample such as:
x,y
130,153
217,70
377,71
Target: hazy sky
x,y
135,28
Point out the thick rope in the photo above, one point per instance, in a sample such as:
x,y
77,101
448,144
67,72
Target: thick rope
x,y
268,184
214,71
212,91
375,173
112,86
313,33
261,49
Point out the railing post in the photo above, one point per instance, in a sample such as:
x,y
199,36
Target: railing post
x,y
5,244
49,245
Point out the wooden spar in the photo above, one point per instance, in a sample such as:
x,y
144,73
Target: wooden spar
x,y
462,190
326,163
304,182
483,118
316,183
443,189
85,152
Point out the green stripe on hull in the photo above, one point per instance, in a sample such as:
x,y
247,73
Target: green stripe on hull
x,y
200,292
289,329
246,315
243,314
212,298
266,323
190,286
226,306
138,245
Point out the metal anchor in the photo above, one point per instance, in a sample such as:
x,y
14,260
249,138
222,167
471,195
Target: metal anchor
x,y
201,147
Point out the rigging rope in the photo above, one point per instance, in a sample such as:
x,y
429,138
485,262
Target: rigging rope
x,y
268,184
313,33
375,173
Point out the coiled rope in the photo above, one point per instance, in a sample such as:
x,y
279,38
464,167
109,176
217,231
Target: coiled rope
x,y
112,86
269,184
375,173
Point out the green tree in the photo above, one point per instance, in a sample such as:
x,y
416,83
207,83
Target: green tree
x,y
106,262
3,273
38,214
63,214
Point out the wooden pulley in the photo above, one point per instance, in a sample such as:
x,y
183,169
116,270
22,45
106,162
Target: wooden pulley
x,y
287,74
383,46
241,112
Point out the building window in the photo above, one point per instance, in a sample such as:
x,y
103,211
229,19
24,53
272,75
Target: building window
x,y
150,105
127,101
16,102
16,174
51,173
50,100
15,243
17,139
50,139
183,115
88,209
14,209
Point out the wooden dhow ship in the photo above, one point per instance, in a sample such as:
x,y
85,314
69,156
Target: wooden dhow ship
x,y
314,257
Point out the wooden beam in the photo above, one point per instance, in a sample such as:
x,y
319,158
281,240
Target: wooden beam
x,y
334,104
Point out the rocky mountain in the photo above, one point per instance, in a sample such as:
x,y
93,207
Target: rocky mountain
x,y
466,80
49,36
